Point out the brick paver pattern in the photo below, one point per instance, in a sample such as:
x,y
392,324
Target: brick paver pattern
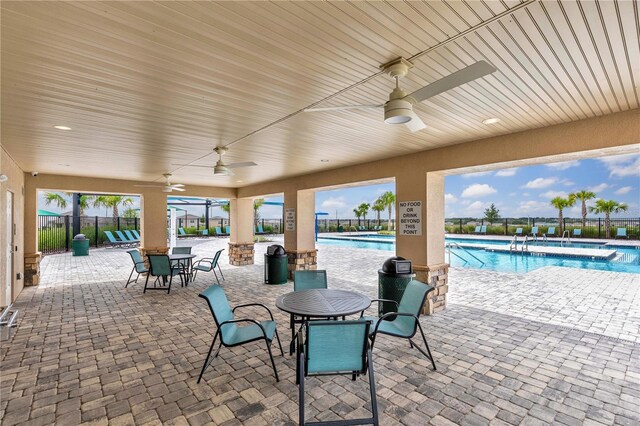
x,y
556,345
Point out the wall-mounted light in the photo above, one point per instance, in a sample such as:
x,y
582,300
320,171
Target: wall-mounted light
x,y
4,178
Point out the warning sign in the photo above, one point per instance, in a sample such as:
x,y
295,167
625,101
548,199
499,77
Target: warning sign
x,y
410,215
289,219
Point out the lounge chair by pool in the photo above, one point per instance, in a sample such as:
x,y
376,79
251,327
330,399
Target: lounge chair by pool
x,y
125,239
518,232
227,230
113,241
483,230
551,231
477,230
622,233
135,234
130,236
577,232
534,232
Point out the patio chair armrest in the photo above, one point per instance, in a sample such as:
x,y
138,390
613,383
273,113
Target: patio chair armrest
x,y
392,314
254,304
139,263
245,320
382,300
205,260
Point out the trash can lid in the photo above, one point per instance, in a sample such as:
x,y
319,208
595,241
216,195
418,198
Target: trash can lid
x,y
80,237
275,250
390,265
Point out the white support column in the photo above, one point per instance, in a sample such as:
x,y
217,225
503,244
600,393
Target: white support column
x,y
241,251
299,233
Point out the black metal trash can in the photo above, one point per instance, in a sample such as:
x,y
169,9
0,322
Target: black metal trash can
x,y
275,265
393,278
80,245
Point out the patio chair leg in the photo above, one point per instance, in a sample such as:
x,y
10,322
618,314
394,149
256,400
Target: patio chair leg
x,y
372,389
424,339
206,361
130,275
145,284
170,281
273,363
216,275
300,382
279,344
221,274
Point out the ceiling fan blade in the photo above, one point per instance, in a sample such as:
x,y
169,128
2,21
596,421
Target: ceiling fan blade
x,y
238,165
150,186
173,188
340,108
416,123
179,185
458,78
192,165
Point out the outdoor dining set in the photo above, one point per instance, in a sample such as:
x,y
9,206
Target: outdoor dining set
x,y
323,340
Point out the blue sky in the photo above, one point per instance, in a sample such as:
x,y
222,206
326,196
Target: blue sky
x,y
517,192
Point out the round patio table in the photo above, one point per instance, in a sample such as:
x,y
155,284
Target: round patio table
x,y
320,303
183,256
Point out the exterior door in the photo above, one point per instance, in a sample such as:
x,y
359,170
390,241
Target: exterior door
x,y
9,260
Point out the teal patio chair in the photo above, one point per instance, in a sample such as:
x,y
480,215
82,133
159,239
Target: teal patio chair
x,y
335,348
404,322
113,241
227,230
131,237
260,230
138,266
231,333
181,232
577,232
136,234
184,264
535,232
518,232
621,233
208,264
160,267
483,230
477,230
551,231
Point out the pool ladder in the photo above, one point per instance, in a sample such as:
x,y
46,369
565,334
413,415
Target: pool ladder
x,y
562,240
8,321
456,245
513,245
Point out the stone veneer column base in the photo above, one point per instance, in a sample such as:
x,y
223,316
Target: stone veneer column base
x,y
241,254
144,251
32,269
438,277
302,260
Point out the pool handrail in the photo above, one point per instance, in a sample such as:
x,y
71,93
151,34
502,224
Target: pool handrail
x,y
456,245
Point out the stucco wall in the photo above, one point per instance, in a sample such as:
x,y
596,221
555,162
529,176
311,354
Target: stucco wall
x,y
15,184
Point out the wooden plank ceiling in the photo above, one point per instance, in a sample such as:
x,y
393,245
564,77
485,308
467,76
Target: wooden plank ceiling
x,y
145,86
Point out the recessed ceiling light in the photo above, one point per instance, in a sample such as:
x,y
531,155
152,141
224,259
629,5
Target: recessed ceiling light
x,y
493,120
239,181
324,161
62,127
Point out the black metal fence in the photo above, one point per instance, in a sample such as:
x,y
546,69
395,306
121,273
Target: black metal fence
x,y
346,225
193,225
592,228
56,232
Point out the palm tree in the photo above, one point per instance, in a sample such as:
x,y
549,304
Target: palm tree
x,y
388,199
364,210
358,213
608,207
61,202
112,202
378,207
561,204
257,203
584,196
227,209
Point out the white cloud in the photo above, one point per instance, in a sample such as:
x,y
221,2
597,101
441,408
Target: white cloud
x,y
450,198
540,183
478,190
532,206
564,165
567,182
598,188
622,165
553,194
624,190
476,174
334,203
474,209
507,172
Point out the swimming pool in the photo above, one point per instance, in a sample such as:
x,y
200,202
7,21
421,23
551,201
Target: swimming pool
x,y
627,258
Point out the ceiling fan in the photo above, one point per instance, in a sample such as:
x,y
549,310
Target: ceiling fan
x,y
168,186
221,168
399,108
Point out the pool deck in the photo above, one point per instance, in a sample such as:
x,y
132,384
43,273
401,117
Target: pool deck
x,y
554,346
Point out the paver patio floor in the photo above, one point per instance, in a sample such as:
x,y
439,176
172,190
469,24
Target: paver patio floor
x,y
553,346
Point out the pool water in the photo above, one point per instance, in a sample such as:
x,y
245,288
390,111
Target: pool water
x,y
627,260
